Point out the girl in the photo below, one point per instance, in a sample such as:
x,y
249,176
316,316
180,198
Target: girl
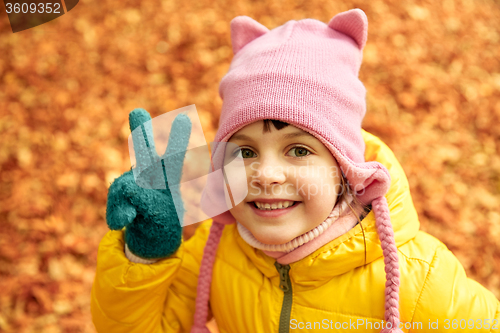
x,y
327,237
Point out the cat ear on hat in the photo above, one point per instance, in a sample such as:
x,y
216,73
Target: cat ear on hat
x,y
353,23
244,30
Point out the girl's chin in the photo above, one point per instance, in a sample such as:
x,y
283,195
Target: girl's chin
x,y
273,238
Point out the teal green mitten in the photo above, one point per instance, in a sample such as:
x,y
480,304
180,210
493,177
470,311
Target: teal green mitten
x,y
152,220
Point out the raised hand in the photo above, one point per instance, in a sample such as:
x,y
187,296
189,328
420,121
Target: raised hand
x,y
149,213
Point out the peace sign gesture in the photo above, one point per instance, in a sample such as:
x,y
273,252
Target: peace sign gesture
x,y
152,221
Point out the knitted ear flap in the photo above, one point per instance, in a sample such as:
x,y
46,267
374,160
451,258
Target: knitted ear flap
x,y
353,23
244,30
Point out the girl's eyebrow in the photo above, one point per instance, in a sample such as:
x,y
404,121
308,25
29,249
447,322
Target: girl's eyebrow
x,y
286,136
295,135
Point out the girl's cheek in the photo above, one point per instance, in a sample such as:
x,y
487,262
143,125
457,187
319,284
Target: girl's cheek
x,y
302,186
253,189
317,188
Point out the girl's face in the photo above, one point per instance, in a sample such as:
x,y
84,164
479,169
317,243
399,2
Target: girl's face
x,y
293,182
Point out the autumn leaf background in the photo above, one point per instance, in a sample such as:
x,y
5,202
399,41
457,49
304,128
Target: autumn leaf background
x,y
431,69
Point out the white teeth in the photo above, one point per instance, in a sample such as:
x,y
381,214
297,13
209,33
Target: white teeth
x,y
279,205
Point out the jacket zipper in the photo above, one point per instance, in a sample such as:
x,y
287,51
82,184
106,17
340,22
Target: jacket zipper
x,y
286,287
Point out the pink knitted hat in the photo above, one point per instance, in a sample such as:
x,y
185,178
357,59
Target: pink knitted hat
x,y
305,73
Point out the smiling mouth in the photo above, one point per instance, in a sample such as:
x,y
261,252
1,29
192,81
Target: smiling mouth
x,y
274,206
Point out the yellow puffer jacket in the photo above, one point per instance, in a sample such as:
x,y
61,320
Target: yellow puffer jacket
x,y
332,289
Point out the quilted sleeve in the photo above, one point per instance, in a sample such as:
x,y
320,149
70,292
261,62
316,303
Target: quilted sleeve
x,y
451,302
134,297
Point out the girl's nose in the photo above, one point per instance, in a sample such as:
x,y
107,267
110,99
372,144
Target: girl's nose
x,y
267,172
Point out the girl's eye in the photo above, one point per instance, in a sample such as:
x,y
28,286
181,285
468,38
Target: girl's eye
x,y
247,153
300,151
